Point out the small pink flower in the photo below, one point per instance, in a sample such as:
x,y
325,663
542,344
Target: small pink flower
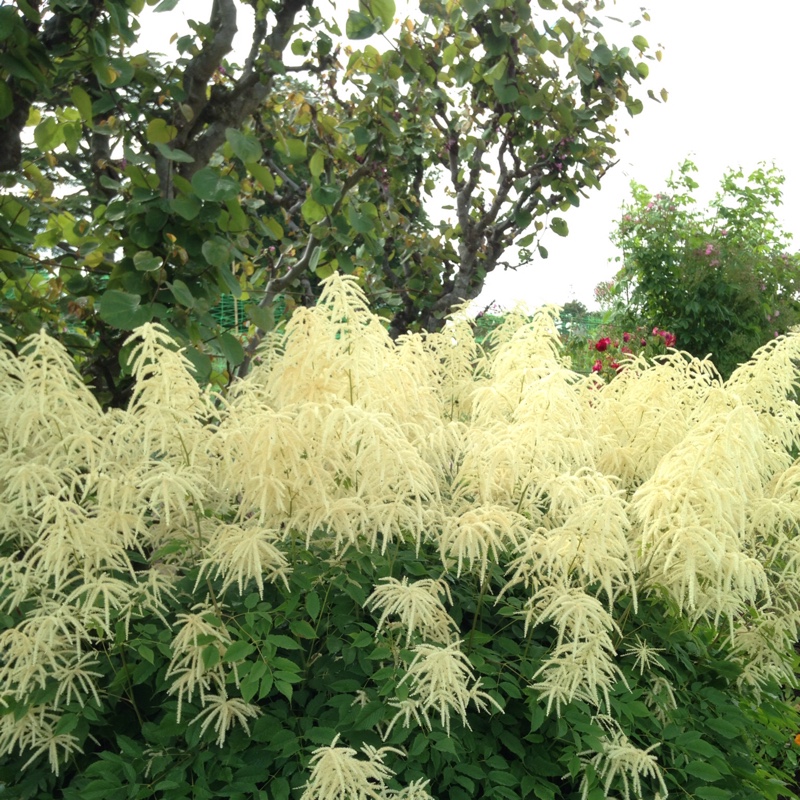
x,y
597,366
643,342
709,249
626,337
723,232
615,366
656,332
763,287
777,313
626,350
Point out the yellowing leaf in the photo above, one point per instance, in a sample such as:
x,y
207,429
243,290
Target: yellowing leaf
x,y
158,131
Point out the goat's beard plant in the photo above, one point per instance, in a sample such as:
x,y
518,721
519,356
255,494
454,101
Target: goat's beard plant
x,y
403,569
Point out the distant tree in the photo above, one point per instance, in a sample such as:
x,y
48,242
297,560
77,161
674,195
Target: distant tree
x,y
138,188
724,279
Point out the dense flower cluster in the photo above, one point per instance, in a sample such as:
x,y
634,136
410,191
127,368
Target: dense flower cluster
x,y
614,351
337,530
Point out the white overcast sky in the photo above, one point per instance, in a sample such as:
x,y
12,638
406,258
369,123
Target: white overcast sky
x,y
728,66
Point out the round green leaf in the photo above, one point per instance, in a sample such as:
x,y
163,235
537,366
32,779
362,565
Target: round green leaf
x,y
123,310
217,252
312,211
159,131
180,291
211,185
231,349
174,155
559,226
245,147
145,261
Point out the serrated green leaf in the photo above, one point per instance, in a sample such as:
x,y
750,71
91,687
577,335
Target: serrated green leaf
x,y
210,656
48,134
703,770
285,642
146,653
312,604
724,728
238,651
302,629
712,793
66,724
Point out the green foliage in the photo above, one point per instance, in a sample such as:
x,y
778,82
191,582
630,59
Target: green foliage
x,y
154,187
723,279
358,577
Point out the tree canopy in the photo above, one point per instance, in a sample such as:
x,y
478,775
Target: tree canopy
x,y
139,187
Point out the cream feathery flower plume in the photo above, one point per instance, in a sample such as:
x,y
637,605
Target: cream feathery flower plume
x,y
223,712
188,668
581,664
244,553
584,533
35,731
442,680
416,790
620,757
477,535
693,512
645,411
454,352
768,383
417,605
337,773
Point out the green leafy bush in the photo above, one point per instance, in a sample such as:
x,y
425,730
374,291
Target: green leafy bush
x,y
400,570
723,279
